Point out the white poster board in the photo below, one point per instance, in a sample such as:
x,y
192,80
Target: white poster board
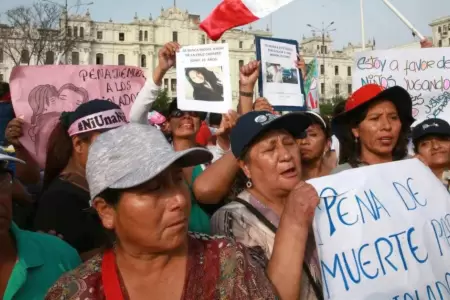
x,y
383,232
203,78
425,73
281,82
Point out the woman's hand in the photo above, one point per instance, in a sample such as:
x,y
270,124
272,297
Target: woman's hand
x,y
426,43
301,205
228,122
301,65
14,131
262,104
166,60
249,74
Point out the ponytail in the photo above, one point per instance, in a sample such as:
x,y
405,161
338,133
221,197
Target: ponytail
x,y
59,151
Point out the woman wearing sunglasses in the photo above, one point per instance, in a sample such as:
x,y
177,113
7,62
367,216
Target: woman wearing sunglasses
x,y
184,126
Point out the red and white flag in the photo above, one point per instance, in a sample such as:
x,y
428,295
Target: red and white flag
x,y
234,13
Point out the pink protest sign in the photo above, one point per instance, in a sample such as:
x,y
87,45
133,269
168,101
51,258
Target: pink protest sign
x,y
41,93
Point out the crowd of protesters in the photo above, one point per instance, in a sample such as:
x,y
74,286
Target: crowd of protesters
x,y
189,205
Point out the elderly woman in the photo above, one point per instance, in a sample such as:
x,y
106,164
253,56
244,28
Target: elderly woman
x,y
264,145
138,190
431,140
315,148
374,126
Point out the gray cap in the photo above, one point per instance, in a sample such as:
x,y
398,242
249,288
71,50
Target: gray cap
x,y
133,154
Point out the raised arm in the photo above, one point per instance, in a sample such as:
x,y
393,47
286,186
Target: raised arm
x,y
148,94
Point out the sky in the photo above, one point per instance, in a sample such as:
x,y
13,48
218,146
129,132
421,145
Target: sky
x,y
291,21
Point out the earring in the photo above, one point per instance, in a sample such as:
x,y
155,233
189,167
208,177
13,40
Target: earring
x,y
249,184
356,140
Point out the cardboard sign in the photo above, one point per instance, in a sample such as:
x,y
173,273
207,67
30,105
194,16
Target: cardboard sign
x,y
41,93
424,73
383,232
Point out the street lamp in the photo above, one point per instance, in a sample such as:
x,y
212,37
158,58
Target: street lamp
x,y
363,34
323,31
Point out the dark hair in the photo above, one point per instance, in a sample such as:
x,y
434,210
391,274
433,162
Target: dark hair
x,y
339,108
111,197
173,106
215,119
351,150
59,151
317,121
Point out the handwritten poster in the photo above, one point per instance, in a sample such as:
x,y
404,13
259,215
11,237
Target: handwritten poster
x,y
383,232
41,93
423,72
280,80
203,77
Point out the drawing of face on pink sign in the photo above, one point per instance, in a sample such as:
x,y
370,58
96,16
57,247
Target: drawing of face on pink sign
x,y
41,93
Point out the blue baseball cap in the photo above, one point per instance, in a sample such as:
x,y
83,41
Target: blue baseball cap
x,y
255,123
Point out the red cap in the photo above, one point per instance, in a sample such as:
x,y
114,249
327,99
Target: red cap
x,y
363,95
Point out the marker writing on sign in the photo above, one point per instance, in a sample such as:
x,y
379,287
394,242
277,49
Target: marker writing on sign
x,y
437,290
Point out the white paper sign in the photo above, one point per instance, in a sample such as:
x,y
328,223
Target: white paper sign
x,y
383,232
423,72
280,76
203,78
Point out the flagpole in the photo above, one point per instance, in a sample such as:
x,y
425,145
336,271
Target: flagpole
x,y
403,19
363,34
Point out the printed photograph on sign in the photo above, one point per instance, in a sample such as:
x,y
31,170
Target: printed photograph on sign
x,y
204,84
40,97
275,73
280,77
203,74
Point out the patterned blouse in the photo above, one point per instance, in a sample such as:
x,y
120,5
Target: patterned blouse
x,y
236,221
218,268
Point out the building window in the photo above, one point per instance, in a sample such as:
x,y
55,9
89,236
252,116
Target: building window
x,y
349,71
1,55
121,60
322,70
336,87
173,85
440,43
318,47
140,35
121,36
75,31
82,32
143,61
99,59
203,40
25,57
75,58
99,35
349,89
174,36
241,64
444,30
323,49
166,83
146,36
224,41
322,89
49,58
241,45
69,31
336,70
1,77
439,29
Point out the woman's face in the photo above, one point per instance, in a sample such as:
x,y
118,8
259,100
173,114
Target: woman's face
x,y
185,126
313,146
82,147
435,150
379,132
196,77
274,162
155,214
59,104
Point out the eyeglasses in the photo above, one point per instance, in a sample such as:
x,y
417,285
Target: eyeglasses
x,y
6,181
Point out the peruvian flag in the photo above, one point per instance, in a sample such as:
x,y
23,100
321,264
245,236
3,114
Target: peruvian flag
x,y
234,13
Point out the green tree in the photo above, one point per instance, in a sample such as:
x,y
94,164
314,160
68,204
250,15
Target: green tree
x,y
162,102
326,109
